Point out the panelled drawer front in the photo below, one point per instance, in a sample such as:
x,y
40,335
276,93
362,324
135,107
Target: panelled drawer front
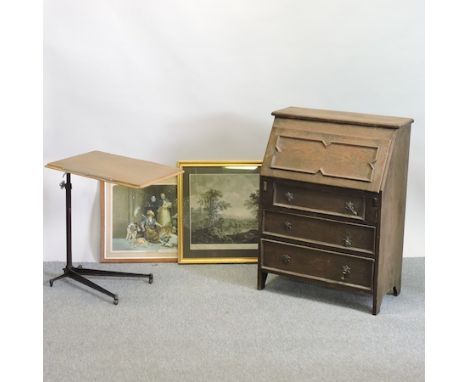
x,y
317,264
355,237
331,202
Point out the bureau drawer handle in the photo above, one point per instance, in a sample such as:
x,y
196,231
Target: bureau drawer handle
x,y
286,259
347,241
289,196
349,206
288,225
345,271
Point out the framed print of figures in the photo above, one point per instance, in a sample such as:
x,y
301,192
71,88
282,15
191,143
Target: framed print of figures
x,y
218,211
139,225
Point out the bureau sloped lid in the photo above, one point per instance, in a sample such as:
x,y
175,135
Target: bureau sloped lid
x,y
335,159
343,117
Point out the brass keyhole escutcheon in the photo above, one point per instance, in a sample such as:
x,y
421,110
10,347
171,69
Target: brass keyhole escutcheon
x,y
286,259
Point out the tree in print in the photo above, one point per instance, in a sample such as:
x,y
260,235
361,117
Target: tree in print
x,y
212,205
252,202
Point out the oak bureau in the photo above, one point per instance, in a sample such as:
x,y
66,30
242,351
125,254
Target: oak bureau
x,y
332,200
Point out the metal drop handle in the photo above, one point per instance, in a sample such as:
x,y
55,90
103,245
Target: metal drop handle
x,y
289,196
345,271
349,206
347,241
288,225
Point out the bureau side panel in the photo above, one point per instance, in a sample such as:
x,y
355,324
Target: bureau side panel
x,y
392,222
261,275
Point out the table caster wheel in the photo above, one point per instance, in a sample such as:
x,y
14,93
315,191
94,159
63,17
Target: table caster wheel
x,y
51,283
80,266
150,279
116,300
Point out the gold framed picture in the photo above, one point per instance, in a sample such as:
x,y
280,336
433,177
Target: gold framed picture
x,y
218,211
139,225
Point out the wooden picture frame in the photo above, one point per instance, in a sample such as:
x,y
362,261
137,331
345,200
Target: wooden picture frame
x,y
135,224
218,211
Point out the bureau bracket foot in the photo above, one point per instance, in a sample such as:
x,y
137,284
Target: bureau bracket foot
x,y
261,279
376,302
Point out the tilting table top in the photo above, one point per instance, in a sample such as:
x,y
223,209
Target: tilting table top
x,y
117,169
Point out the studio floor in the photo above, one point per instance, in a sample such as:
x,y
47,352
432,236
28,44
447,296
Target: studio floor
x,y
210,323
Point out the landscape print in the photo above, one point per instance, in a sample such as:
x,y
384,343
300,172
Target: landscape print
x,y
224,211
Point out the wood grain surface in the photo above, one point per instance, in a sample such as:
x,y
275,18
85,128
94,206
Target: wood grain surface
x,y
117,169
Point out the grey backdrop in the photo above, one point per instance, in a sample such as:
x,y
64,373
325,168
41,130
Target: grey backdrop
x,y
170,80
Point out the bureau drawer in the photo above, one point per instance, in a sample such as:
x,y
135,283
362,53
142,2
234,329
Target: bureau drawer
x,y
322,200
349,236
317,264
